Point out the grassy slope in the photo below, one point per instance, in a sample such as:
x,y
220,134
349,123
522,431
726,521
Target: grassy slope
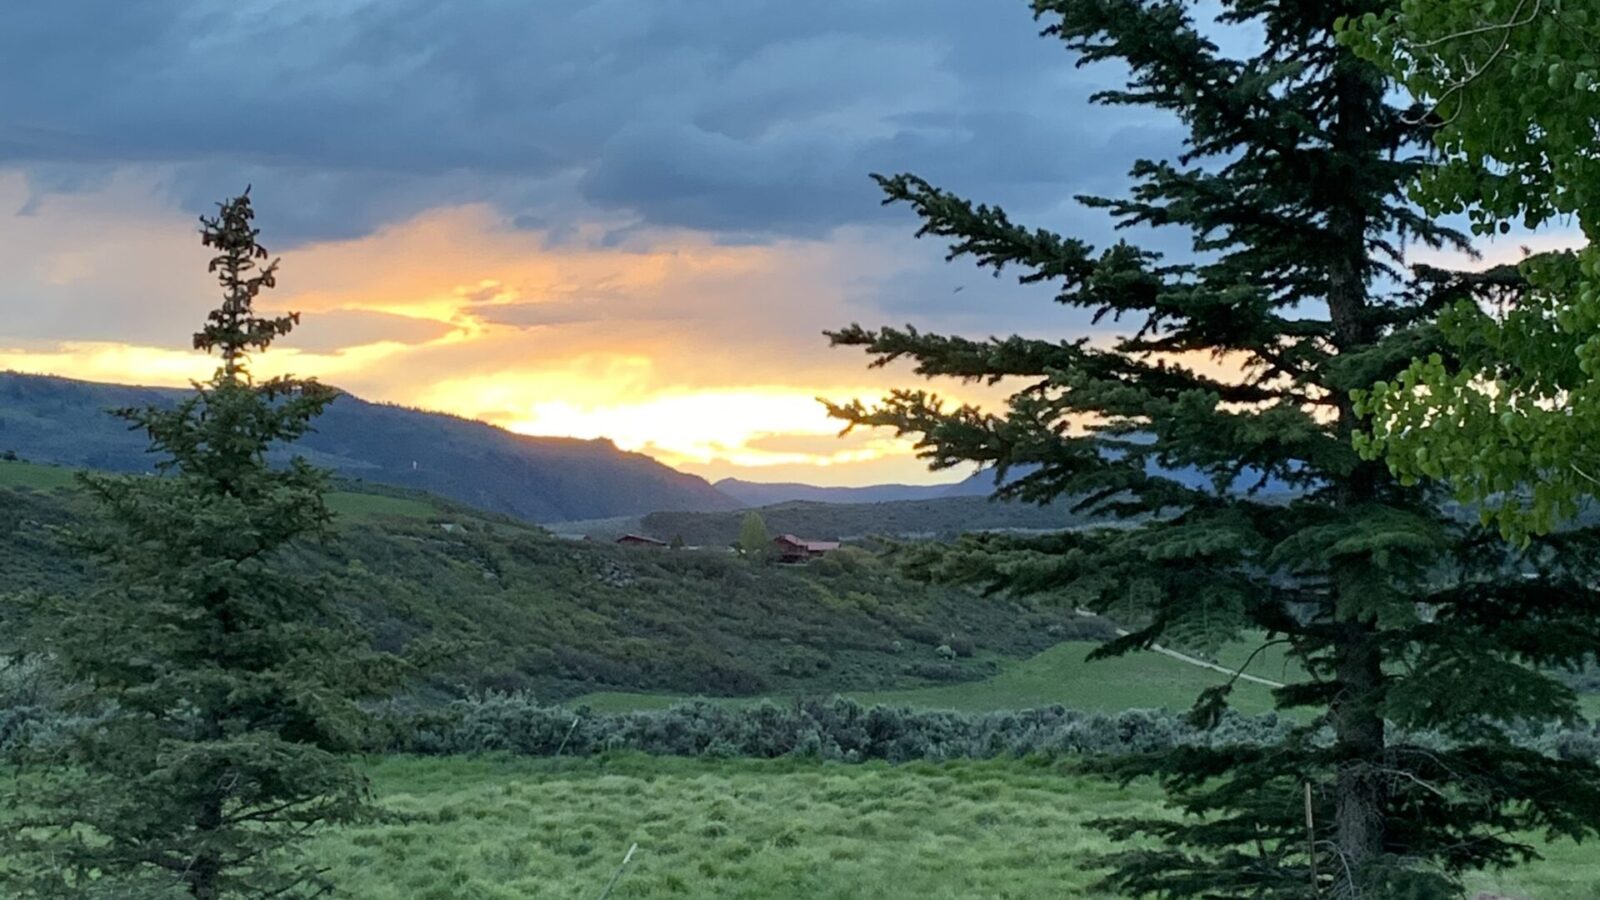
x,y
509,829
525,610
1056,676
1061,675
347,505
37,477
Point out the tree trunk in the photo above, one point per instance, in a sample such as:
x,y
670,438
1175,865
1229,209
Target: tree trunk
x,y
1360,794
1356,711
204,875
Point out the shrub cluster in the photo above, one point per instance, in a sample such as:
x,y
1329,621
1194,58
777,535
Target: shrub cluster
x,y
31,704
840,729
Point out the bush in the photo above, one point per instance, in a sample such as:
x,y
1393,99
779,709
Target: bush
x,y
803,662
960,645
937,671
838,730
841,729
1082,628
32,702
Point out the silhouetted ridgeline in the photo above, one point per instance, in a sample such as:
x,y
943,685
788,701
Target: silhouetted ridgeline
x,y
58,420
757,493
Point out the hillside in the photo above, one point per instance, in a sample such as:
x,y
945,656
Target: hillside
x,y
1059,676
939,518
520,609
62,421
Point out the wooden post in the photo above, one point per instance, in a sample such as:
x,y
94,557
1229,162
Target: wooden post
x,y
1311,843
614,878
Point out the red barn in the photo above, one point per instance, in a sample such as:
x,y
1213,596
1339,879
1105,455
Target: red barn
x,y
639,540
791,549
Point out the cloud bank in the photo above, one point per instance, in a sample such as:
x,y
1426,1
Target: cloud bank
x,y
617,217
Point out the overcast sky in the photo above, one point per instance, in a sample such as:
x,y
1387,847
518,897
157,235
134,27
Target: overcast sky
x,y
623,218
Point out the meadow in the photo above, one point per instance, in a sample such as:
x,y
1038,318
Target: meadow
x,y
1060,675
350,506
500,828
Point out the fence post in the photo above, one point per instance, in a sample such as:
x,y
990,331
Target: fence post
x,y
614,878
1311,843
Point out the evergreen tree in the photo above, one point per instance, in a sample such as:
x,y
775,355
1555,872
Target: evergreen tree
x,y
754,541
1405,619
224,685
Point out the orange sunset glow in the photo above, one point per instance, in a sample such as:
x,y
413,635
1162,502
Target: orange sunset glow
x,y
709,358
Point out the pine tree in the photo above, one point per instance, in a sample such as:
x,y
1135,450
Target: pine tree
x,y
1405,619
224,684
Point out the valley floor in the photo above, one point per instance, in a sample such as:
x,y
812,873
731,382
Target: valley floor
x,y
1061,675
498,829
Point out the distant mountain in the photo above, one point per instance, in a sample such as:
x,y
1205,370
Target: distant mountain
x,y
757,493
981,483
978,484
536,479
761,493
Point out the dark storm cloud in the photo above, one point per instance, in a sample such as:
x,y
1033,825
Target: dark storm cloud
x,y
749,117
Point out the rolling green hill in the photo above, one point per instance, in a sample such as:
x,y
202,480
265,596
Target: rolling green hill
x,y
359,502
522,609
625,628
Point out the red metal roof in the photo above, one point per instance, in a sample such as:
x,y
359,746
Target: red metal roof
x,y
803,544
640,539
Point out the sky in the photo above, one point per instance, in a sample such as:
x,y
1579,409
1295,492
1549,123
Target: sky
x,y
629,219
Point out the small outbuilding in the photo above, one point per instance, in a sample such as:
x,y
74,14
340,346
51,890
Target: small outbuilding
x,y
790,549
639,540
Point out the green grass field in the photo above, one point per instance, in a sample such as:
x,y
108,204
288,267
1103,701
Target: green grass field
x,y
498,829
37,477
346,505
358,507
1060,675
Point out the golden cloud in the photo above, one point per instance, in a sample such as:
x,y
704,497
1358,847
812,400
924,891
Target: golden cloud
x,y
706,356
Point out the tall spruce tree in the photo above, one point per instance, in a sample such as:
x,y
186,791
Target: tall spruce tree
x,y
222,684
1405,619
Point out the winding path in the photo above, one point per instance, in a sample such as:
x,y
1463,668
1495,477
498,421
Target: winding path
x,y
1195,661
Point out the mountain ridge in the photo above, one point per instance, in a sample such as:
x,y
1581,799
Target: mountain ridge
x,y
53,419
